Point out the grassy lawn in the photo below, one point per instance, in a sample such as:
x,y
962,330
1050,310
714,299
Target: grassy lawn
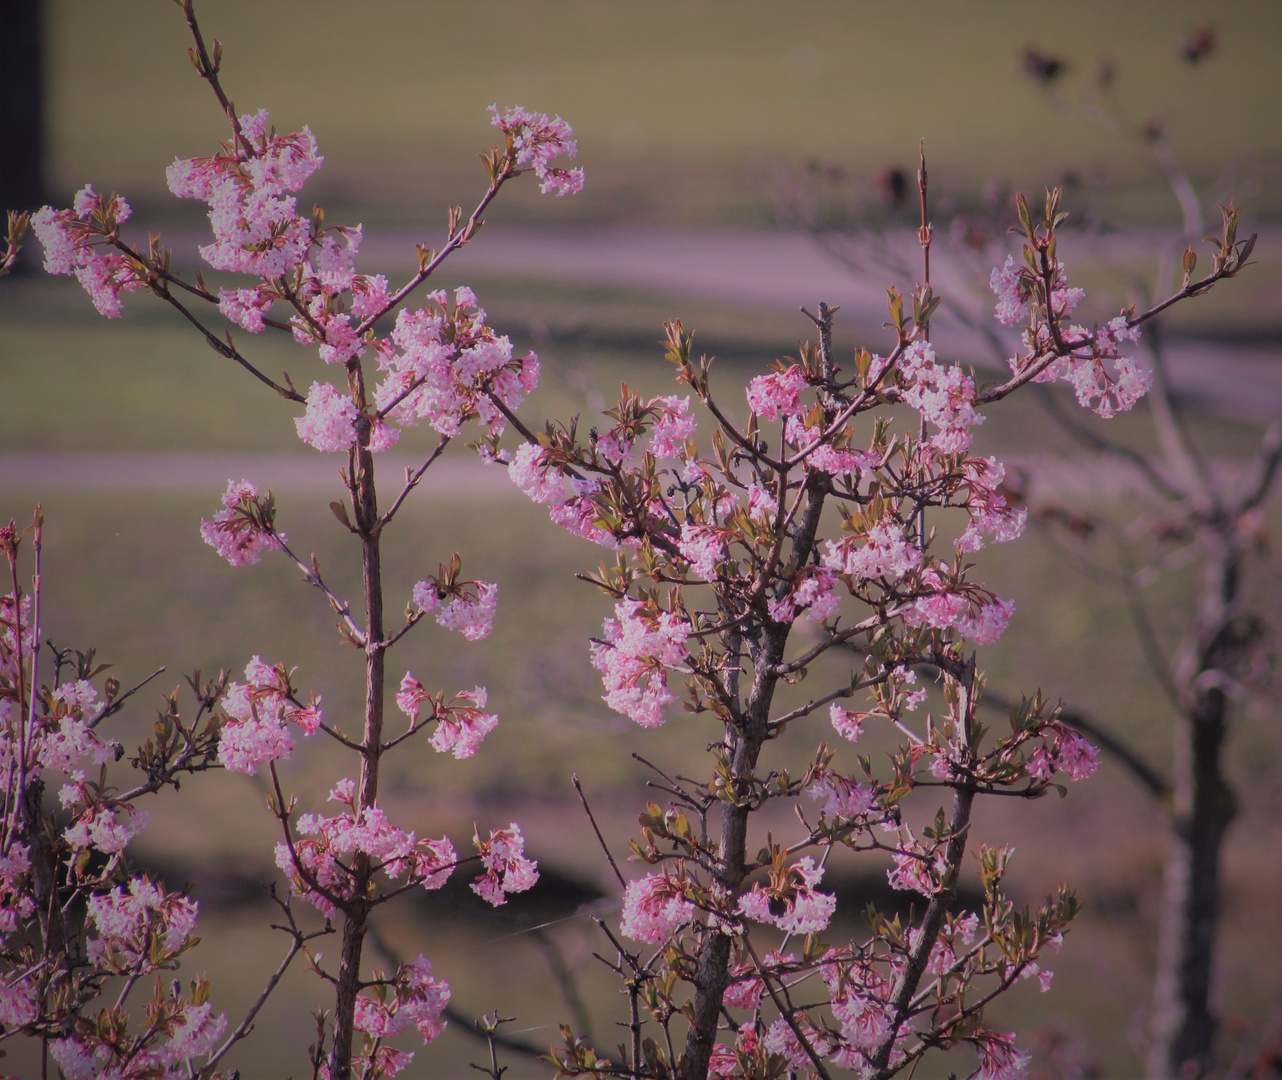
x,y
684,110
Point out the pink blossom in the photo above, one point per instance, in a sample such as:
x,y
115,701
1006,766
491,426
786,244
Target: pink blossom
x,y
507,870
703,547
329,422
816,592
841,796
233,533
19,1004
578,514
1066,752
672,426
653,908
1012,300
245,307
529,472
535,141
776,393
915,871
848,724
638,648
999,1057
142,926
472,615
881,552
781,1039
108,828
762,506
463,724
806,910
985,624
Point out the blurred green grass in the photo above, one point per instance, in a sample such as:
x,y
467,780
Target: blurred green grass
x,y
683,109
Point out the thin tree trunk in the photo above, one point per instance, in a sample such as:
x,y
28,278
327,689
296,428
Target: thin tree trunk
x,y
1183,1026
356,916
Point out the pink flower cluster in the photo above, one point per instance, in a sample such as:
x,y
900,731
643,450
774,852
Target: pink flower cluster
x,y
529,471
467,607
805,910
75,244
316,864
139,929
256,225
1082,357
841,796
234,533
639,646
534,141
673,425
443,364
507,870
417,1000
1066,751
882,551
461,725
702,546
258,710
989,511
778,393
329,424
943,396
654,908
981,620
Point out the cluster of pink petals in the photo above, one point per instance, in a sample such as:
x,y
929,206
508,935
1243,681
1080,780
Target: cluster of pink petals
x,y
256,225
916,871
258,711
418,999
16,901
461,725
72,246
578,513
529,471
880,552
444,365
762,506
536,140
639,646
942,395
724,1061
999,1057
814,591
654,907
106,826
507,870
316,864
776,393
673,425
140,929
1066,751
781,1039
193,1031
846,722
703,547
981,621
944,954
232,533
329,424
990,513
860,1003
1086,367
823,456
67,740
805,909
468,607
841,796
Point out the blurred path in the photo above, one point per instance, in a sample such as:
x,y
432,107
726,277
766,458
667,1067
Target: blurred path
x,y
784,270
1049,475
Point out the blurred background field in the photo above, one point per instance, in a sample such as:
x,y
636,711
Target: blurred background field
x,y
688,115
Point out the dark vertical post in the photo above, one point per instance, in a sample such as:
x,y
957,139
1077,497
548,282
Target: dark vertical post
x,y
22,143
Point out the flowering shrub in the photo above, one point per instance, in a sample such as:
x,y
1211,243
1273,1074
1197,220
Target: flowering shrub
x,y
737,570
776,547
441,363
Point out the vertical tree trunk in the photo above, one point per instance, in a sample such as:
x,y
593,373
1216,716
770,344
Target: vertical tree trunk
x,y
356,916
1183,1026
